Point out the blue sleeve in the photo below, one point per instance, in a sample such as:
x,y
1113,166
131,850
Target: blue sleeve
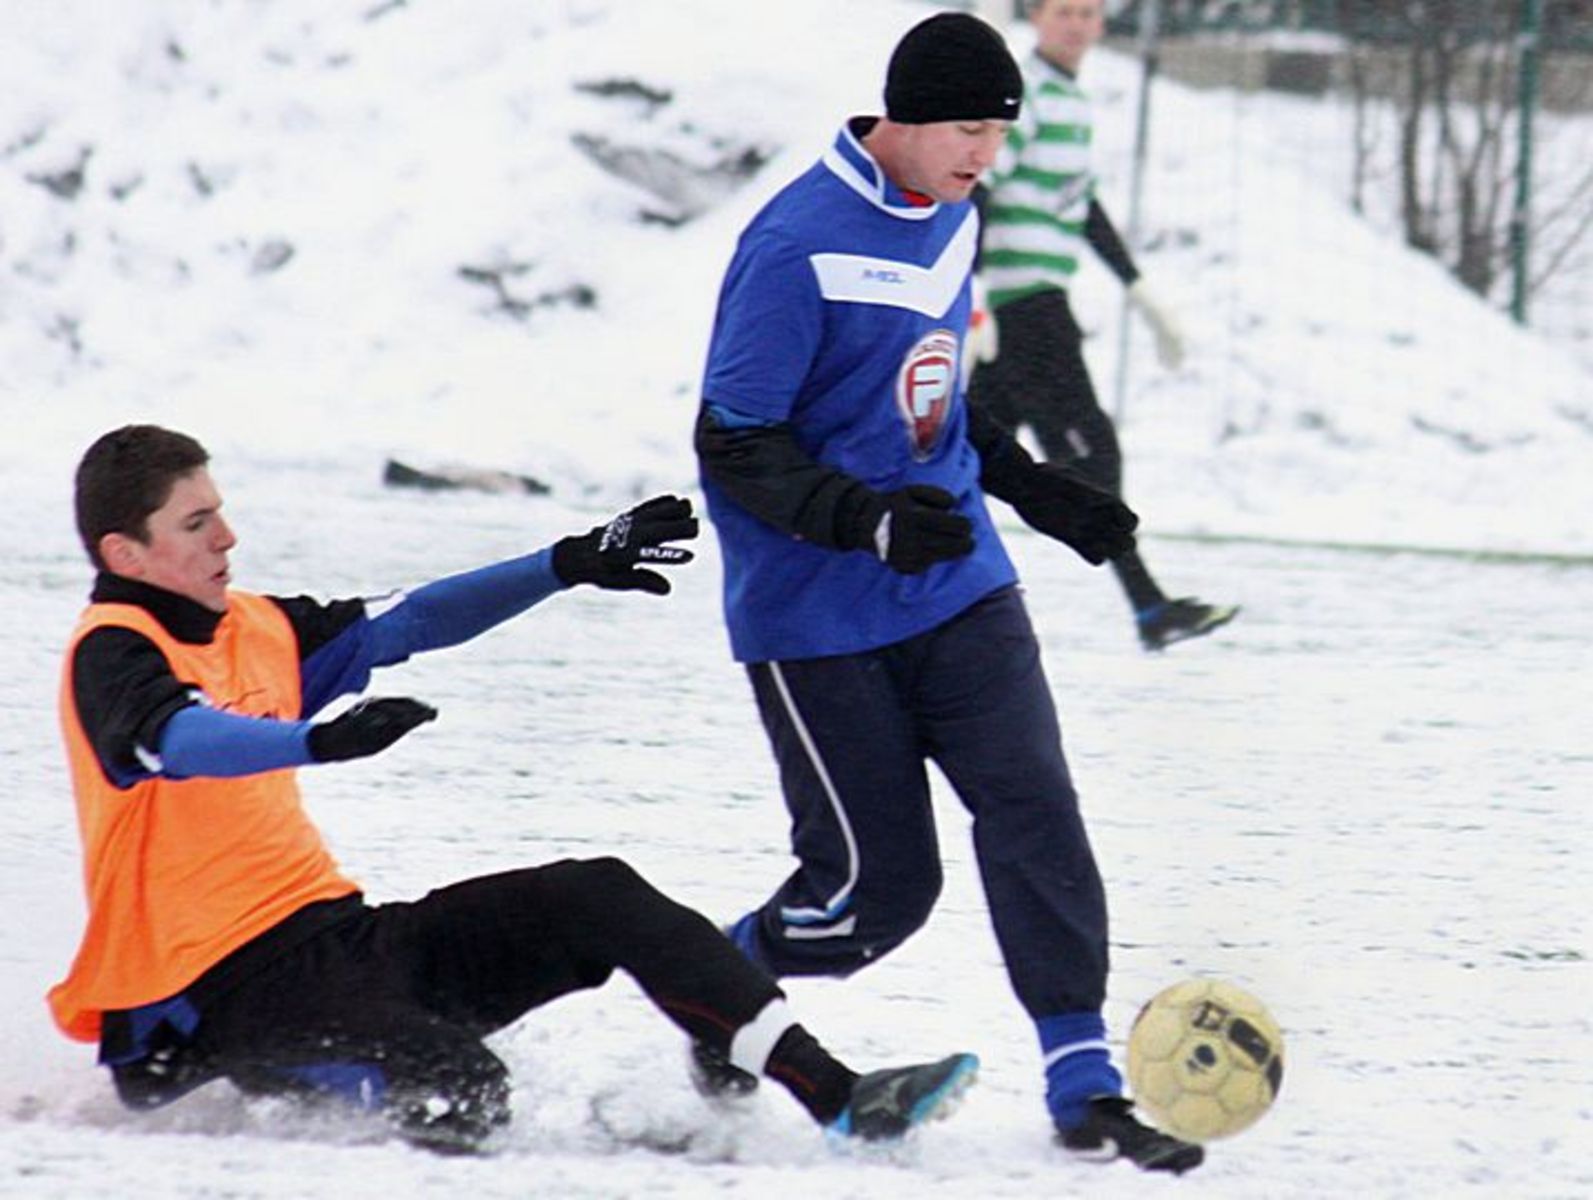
x,y
766,330
460,607
443,613
201,741
732,418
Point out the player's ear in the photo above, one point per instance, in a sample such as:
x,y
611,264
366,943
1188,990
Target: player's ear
x,y
122,555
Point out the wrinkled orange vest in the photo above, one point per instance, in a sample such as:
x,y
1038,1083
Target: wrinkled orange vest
x,y
181,873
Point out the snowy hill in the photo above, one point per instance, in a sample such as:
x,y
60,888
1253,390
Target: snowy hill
x,y
392,228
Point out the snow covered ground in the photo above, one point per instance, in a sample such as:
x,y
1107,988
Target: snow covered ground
x,y
1368,801
297,211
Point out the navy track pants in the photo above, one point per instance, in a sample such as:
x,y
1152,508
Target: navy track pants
x,y
852,735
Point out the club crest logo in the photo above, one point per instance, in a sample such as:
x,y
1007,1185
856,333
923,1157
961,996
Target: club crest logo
x,y
924,390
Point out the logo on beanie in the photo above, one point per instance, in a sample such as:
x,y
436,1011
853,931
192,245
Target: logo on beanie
x,y
924,389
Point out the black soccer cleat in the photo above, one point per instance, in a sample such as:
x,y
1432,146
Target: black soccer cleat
x,y
1179,620
717,1078
1111,1130
886,1104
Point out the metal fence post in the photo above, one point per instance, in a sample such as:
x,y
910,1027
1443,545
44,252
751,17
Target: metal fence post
x,y
1149,42
1527,72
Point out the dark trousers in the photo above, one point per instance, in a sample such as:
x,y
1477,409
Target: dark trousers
x,y
1040,380
852,735
388,1006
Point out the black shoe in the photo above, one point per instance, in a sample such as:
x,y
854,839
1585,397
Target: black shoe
x,y
453,1132
166,1074
1111,1130
1178,620
716,1077
886,1104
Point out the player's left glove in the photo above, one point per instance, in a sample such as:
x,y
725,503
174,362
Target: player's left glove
x,y
1169,337
610,556
1052,498
1064,505
368,728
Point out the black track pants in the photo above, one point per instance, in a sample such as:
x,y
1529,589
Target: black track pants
x,y
388,1007
1040,380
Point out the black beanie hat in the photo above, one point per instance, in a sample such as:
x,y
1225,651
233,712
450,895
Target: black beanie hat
x,y
952,67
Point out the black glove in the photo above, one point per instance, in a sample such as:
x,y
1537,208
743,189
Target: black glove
x,y
607,556
368,728
1066,506
912,529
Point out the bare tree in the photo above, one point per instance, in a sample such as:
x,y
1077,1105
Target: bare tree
x,y
1451,70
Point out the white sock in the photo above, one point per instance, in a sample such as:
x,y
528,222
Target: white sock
x,y
754,1042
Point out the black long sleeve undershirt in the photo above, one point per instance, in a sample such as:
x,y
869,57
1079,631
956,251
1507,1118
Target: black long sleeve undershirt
x,y
1005,467
763,469
1103,238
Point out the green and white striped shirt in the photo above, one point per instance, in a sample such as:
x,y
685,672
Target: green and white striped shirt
x,y
1040,188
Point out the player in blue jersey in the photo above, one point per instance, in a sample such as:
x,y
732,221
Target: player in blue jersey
x,y
866,588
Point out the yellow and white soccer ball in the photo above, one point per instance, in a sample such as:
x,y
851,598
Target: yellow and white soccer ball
x,y
1205,1059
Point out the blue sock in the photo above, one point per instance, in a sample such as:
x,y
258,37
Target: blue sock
x,y
1078,1065
744,933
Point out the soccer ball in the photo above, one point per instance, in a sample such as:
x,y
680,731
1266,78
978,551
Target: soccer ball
x,y
1205,1059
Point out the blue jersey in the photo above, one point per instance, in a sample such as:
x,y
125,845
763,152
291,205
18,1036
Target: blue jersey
x,y
843,316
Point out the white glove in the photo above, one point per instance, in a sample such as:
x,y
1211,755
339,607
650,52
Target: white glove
x,y
1169,338
983,343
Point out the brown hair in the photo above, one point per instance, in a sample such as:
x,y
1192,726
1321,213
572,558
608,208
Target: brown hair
x,y
125,476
